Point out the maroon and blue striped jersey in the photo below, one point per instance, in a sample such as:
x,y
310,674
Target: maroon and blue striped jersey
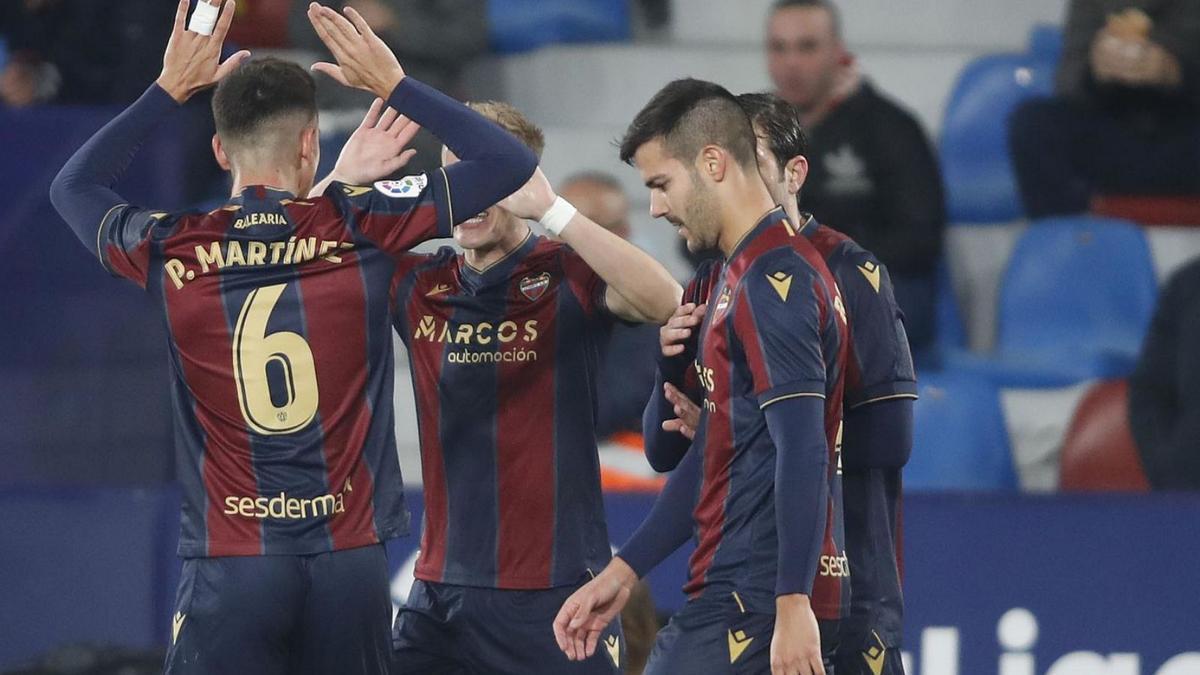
x,y
278,323
879,368
775,329
504,368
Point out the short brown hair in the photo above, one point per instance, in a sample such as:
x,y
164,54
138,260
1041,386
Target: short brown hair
x,y
514,122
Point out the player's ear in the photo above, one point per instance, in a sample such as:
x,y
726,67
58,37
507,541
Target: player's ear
x,y
795,172
219,153
310,144
712,162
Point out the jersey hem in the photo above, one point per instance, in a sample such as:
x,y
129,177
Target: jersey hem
x,y
242,549
882,392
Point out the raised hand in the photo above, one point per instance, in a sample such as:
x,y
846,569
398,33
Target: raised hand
x,y
363,60
192,61
376,149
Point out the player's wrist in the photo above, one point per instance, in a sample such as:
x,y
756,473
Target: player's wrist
x,y
621,572
175,89
792,602
557,215
388,83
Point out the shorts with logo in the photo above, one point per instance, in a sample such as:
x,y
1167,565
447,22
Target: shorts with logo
x,y
716,636
319,613
874,657
445,629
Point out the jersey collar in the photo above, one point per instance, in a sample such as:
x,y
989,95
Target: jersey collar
x,y
499,271
770,218
253,195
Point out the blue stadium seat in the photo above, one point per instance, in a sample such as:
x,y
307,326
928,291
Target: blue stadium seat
x,y
1074,304
959,438
978,174
523,25
951,332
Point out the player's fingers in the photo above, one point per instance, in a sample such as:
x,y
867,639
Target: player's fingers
x,y
672,425
407,132
341,26
398,126
327,31
372,117
593,636
685,308
399,161
700,310
224,21
688,432
331,70
672,350
358,21
817,665
180,18
231,64
674,335
389,116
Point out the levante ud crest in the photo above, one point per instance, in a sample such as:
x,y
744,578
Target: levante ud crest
x,y
533,287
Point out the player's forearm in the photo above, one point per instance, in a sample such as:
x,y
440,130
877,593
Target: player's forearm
x,y
82,191
647,291
664,449
670,521
492,163
878,435
796,426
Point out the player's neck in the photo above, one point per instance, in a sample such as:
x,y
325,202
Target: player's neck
x,y
791,206
741,212
484,257
278,179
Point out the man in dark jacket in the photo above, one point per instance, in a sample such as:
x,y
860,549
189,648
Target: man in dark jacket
x,y
872,171
1164,391
1125,119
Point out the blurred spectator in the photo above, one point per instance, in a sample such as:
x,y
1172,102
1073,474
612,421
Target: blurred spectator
x,y
639,622
1125,119
68,51
627,367
872,172
263,24
434,39
1164,391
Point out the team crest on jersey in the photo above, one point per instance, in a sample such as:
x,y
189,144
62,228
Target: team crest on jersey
x,y
409,186
723,301
533,287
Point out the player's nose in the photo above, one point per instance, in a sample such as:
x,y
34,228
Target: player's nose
x,y
658,206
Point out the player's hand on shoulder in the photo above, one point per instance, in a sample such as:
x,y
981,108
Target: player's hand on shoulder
x,y
674,334
377,148
796,643
192,61
364,61
533,199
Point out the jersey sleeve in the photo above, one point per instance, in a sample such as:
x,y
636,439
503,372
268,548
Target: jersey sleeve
x,y
881,363
123,241
778,314
397,215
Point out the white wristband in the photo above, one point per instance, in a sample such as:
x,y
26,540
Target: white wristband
x,y
204,18
557,217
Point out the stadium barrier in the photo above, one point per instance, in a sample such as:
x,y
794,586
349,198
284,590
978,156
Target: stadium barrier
x,y
1005,584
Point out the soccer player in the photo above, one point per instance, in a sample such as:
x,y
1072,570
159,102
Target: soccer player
x,y
503,340
760,484
276,308
880,388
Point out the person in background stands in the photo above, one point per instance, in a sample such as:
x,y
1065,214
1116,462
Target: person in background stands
x,y
1125,117
872,172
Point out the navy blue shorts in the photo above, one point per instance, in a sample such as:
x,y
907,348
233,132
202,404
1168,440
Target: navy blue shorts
x,y
716,636
320,613
445,629
875,657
